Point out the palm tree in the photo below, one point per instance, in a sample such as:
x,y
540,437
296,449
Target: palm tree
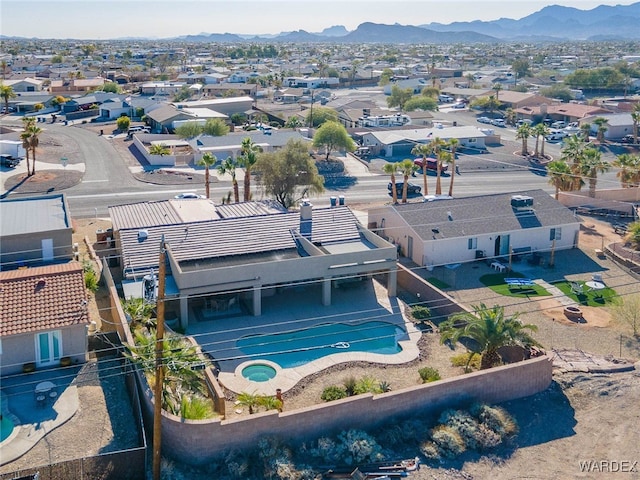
x,y
488,330
573,153
436,147
249,400
453,146
561,176
408,168
391,169
629,173
423,150
207,160
33,133
635,118
229,166
24,136
601,122
585,128
592,164
496,88
6,93
523,133
159,149
510,116
248,158
540,130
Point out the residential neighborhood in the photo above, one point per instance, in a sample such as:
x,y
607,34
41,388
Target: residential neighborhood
x,y
268,258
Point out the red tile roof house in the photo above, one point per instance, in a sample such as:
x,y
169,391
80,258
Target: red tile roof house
x,y
44,317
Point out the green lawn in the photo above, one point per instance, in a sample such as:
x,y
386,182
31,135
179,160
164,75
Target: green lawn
x,y
438,283
588,298
495,281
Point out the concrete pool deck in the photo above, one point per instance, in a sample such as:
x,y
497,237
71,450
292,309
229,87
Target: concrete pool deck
x,y
295,309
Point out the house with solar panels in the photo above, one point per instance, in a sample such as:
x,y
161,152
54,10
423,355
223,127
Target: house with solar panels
x,y
223,259
452,231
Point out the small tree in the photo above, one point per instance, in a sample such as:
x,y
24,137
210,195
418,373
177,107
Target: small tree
x,y
319,115
159,149
189,130
215,127
207,160
399,97
628,311
331,136
123,123
289,174
229,166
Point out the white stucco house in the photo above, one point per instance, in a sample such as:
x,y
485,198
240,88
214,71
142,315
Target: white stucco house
x,y
461,230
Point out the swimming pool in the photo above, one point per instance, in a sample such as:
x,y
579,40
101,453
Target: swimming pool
x,y
295,348
6,428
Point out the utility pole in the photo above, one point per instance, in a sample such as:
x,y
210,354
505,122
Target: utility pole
x,y
157,390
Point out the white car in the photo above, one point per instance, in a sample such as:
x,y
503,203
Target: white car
x,y
484,120
187,195
498,122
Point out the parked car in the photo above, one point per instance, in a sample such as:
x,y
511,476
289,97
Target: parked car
x,y
627,139
432,164
188,195
484,120
9,161
412,189
459,105
559,124
10,110
498,122
522,121
556,136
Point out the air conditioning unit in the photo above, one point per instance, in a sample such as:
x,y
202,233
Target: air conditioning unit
x,y
521,202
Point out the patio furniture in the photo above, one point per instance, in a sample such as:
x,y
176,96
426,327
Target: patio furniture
x,y
498,267
576,288
519,282
43,388
40,400
596,287
597,277
53,395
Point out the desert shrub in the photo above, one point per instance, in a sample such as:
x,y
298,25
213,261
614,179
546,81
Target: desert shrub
x,y
349,385
366,385
429,374
169,471
269,402
237,464
195,407
333,392
448,441
327,449
487,438
359,447
463,359
91,280
384,386
420,312
430,450
496,419
464,424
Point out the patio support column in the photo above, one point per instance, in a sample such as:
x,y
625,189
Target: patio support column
x,y
184,311
326,291
257,300
392,282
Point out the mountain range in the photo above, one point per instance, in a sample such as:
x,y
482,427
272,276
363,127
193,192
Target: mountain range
x,y
552,23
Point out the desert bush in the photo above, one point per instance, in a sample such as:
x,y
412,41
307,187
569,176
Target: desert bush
x,y
359,447
349,385
448,441
430,450
420,312
366,385
487,438
496,419
269,402
327,449
91,281
195,407
384,386
462,360
237,464
429,374
464,424
333,392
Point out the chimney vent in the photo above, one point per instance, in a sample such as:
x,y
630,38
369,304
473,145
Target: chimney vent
x,y
306,219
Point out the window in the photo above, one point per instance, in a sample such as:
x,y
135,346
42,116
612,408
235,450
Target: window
x,y
472,243
555,234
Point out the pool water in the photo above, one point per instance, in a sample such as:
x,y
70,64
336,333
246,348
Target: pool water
x,y
295,348
259,372
6,427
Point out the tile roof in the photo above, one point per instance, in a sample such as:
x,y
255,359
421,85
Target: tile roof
x,y
42,298
485,214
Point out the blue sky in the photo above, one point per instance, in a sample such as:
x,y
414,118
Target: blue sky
x,y
100,19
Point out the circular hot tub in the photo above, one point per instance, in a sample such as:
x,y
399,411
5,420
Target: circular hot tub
x,y
258,372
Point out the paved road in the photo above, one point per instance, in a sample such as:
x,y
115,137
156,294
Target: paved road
x,y
108,180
